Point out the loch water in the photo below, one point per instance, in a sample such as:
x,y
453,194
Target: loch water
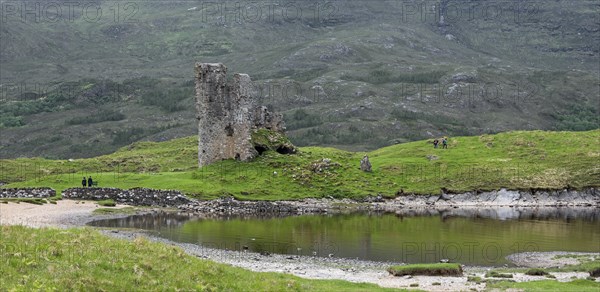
x,y
469,236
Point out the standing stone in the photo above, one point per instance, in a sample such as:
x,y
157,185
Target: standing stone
x,y
227,114
365,164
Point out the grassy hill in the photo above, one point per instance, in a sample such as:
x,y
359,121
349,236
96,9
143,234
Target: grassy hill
x,y
514,160
356,75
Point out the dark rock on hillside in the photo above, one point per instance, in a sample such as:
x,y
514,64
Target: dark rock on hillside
x,y
365,164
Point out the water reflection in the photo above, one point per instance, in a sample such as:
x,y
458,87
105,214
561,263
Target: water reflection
x,y
151,221
508,213
469,236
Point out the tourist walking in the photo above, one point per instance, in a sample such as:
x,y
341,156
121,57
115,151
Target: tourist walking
x,y
435,143
90,182
445,143
83,182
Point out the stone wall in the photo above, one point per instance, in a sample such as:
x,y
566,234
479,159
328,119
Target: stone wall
x,y
227,113
27,193
134,197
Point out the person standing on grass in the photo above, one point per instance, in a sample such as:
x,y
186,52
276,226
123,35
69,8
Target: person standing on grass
x,y
90,182
435,143
83,182
445,143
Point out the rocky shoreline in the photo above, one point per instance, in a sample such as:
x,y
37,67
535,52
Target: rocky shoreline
x,y
404,204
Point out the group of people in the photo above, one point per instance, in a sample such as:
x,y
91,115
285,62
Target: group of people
x,y
89,182
436,142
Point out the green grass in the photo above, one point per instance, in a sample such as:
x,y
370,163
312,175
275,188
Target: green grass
x,y
107,203
547,285
83,259
536,272
439,269
586,264
495,274
513,160
109,211
35,201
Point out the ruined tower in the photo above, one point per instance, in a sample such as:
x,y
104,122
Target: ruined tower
x,y
227,113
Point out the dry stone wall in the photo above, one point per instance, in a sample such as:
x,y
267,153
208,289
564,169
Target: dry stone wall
x,y
133,197
27,193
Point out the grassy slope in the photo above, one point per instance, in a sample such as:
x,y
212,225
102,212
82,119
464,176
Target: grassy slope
x,y
515,160
82,259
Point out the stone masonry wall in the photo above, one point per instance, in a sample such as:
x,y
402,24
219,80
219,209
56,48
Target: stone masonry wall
x,y
227,113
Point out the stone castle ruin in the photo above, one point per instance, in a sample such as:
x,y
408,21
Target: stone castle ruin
x,y
229,117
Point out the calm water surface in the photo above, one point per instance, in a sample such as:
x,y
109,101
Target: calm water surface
x,y
478,237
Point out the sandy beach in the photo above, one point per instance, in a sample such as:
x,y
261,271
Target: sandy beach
x,y
65,213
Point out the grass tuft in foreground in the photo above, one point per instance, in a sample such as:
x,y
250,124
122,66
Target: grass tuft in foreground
x,y
441,269
536,272
85,260
35,201
107,203
110,211
495,274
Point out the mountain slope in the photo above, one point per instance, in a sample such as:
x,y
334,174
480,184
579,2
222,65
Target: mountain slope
x,y
351,74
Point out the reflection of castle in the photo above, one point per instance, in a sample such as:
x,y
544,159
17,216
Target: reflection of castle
x,y
227,113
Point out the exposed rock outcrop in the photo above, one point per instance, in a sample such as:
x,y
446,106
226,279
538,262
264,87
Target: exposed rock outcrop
x,y
365,164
